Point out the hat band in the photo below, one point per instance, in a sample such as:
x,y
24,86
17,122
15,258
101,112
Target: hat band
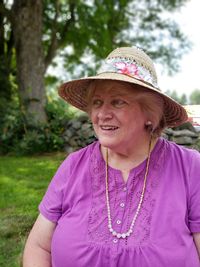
x,y
129,67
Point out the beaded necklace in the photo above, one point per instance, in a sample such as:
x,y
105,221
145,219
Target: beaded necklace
x,y
130,231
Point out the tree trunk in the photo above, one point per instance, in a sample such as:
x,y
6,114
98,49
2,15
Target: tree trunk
x,y
27,27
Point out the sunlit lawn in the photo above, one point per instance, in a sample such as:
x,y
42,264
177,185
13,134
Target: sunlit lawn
x,y
23,181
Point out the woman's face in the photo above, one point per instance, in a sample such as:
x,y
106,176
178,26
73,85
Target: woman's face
x,y
117,118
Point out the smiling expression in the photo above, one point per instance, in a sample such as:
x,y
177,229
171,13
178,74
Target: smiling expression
x,y
117,118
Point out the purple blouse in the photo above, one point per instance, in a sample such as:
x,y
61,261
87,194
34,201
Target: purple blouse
x,y
162,235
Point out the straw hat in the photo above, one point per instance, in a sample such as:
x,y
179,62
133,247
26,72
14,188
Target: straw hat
x,y
128,64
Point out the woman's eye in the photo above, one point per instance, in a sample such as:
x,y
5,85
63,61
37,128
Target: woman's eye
x,y
96,103
118,102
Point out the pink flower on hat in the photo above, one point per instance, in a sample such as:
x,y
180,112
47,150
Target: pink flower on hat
x,y
128,69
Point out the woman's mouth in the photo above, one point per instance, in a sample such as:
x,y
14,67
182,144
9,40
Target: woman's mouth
x,y
108,127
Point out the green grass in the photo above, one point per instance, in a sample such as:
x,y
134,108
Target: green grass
x,y
23,181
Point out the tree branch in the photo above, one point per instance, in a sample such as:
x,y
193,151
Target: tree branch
x,y
55,41
70,21
10,45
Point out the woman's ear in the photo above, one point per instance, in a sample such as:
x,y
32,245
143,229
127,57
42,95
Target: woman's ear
x,y
149,126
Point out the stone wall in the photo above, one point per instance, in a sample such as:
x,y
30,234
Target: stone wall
x,y
79,133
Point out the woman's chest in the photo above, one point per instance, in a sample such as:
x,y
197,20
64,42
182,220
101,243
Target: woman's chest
x,y
82,233
162,208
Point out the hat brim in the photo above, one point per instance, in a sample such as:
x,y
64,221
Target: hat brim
x,y
75,91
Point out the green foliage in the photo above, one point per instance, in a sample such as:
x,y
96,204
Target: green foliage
x,y
7,57
195,97
23,181
82,33
154,29
20,135
197,145
182,99
192,99
93,28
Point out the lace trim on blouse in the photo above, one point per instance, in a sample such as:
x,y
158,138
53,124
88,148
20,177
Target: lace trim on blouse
x,y
97,222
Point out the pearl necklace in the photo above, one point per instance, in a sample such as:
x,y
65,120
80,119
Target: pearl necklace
x,y
130,231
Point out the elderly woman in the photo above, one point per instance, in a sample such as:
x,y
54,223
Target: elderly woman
x,y
131,198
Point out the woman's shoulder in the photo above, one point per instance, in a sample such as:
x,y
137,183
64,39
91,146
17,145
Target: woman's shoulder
x,y
181,151
75,161
81,156
85,151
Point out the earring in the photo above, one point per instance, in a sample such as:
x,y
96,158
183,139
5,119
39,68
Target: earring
x,y
149,127
148,123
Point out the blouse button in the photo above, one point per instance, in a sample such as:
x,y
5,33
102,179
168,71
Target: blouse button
x,y
115,240
124,189
118,222
122,205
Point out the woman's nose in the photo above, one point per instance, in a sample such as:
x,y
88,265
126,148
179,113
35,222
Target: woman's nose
x,y
105,112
